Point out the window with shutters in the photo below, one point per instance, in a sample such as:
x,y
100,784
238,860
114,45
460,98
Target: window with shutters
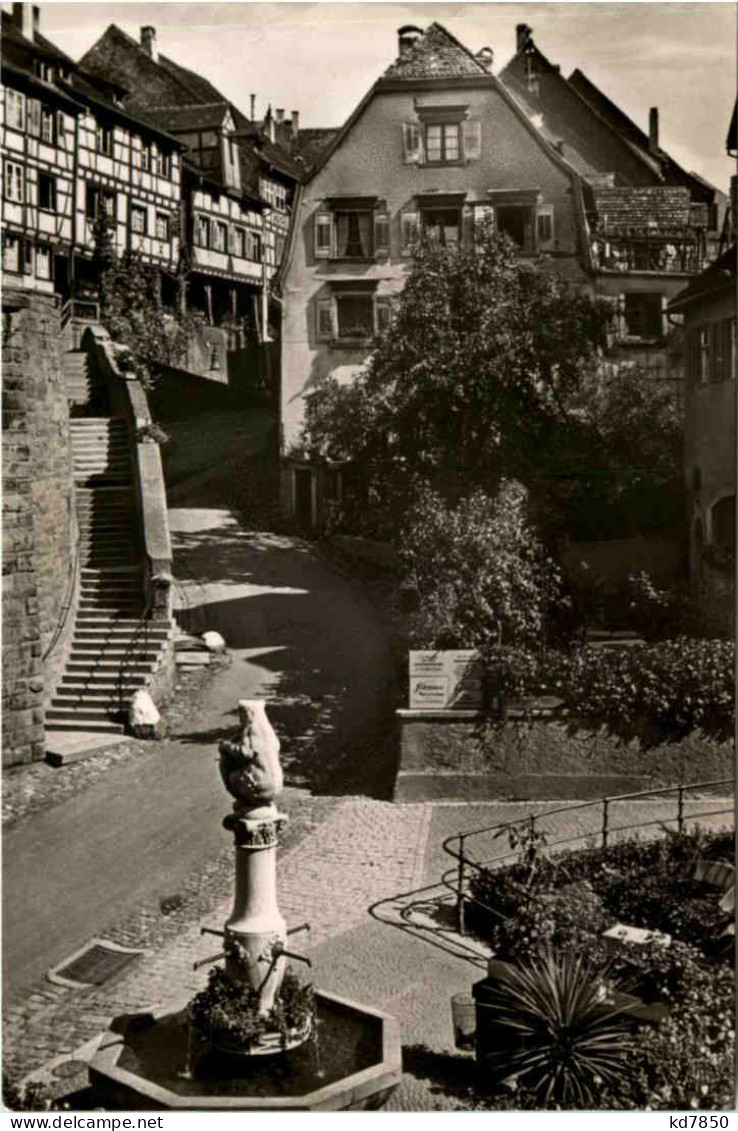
x,y
643,316
47,192
14,181
352,316
353,229
443,135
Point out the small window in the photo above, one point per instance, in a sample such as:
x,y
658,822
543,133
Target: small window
x,y
354,235
516,221
33,111
202,231
239,243
442,226
442,143
253,247
11,254
98,201
14,181
138,220
146,158
15,109
643,316
47,192
43,261
104,140
355,316
48,125
220,236
162,226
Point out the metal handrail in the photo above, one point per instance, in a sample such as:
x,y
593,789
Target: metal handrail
x,y
143,625
466,862
66,604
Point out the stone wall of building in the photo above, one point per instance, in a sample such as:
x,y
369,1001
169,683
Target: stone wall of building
x,y
39,523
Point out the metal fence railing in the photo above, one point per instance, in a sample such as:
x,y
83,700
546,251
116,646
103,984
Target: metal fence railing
x,y
470,848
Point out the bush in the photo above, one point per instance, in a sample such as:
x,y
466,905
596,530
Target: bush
x,y
478,571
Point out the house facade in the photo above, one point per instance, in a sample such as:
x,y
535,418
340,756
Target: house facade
x,y
653,225
436,145
708,307
69,153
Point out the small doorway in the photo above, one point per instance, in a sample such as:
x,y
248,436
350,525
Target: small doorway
x,y
304,497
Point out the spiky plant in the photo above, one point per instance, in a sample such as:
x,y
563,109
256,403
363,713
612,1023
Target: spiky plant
x,y
561,1039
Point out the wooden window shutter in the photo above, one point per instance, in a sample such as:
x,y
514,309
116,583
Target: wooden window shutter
x,y
323,235
325,326
471,132
34,117
412,143
382,314
484,215
410,231
381,232
545,225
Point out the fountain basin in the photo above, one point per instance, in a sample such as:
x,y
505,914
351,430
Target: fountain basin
x,y
141,1065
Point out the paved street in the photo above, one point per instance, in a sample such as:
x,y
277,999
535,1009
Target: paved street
x,y
299,635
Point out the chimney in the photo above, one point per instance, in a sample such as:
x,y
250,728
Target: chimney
x,y
523,35
407,37
268,124
253,107
295,124
486,58
148,41
25,18
653,129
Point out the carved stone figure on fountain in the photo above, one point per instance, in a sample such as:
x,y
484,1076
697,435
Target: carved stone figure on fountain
x,y
249,766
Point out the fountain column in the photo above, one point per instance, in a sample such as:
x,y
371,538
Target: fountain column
x,y
255,931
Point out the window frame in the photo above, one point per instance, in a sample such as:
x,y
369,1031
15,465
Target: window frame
x,y
104,139
10,239
219,237
142,211
655,298
43,251
328,324
444,158
201,231
103,196
164,217
51,183
17,181
18,100
429,210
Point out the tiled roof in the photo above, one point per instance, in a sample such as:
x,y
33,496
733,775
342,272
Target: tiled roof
x,y
436,54
193,117
656,207
310,144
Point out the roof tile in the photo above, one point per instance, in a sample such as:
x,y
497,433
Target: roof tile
x,y
436,54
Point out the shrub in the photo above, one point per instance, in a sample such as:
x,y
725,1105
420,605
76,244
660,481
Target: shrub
x,y
479,572
229,1012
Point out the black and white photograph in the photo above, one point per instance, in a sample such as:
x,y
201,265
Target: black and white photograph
x,y
368,530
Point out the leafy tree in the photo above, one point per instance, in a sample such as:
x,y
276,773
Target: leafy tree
x,y
478,572
482,358
131,308
493,367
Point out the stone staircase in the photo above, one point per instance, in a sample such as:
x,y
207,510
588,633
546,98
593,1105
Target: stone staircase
x,y
114,650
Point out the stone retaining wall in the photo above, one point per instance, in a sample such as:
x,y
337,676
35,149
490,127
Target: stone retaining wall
x,y
39,522
455,755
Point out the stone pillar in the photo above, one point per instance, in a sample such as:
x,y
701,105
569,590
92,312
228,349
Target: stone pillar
x,y
255,932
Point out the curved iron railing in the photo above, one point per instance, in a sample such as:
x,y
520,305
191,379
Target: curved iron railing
x,y
457,846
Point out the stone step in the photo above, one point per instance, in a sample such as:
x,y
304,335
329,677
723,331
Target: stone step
x,y
157,635
108,701
90,574
107,668
71,722
101,683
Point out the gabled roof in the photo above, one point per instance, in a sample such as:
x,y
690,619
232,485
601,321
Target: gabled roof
x,y
436,54
192,117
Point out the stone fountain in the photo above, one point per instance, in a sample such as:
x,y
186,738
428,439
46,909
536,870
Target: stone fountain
x,y
340,1056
